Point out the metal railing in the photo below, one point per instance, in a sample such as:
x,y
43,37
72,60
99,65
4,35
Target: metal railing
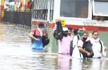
x,y
23,18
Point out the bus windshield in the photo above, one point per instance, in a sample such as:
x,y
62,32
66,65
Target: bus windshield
x,y
74,8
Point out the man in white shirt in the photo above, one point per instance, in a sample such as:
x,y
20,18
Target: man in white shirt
x,y
97,45
78,49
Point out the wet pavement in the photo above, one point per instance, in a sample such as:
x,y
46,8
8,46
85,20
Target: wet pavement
x,y
16,54
14,33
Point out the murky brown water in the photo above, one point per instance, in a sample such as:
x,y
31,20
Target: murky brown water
x,y
16,54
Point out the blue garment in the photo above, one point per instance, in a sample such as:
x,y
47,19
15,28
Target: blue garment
x,y
37,44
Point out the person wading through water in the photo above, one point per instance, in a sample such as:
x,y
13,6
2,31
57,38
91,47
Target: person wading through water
x,y
37,35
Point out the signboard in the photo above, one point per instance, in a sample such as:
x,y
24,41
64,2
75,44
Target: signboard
x,y
62,21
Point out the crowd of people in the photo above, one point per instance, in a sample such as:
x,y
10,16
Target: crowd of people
x,y
78,43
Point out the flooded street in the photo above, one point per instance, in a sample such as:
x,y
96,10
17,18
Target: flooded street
x,y
16,54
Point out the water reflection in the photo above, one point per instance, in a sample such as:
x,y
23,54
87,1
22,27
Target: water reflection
x,y
89,64
64,62
23,58
76,64
98,64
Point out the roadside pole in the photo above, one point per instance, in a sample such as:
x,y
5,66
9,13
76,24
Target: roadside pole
x,y
21,5
2,10
15,5
2,17
49,48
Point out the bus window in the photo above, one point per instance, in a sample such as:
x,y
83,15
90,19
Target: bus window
x,y
102,0
100,8
74,8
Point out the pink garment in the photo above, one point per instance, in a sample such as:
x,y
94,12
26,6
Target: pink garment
x,y
64,45
63,62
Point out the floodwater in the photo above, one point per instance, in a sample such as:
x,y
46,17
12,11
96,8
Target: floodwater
x,y
16,54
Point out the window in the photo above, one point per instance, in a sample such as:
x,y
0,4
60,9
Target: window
x,y
74,8
100,8
101,0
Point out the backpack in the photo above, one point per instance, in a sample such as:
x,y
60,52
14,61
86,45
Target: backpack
x,y
88,47
58,33
45,40
101,46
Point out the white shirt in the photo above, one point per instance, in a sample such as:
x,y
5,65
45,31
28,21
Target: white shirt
x,y
41,31
76,52
80,42
97,48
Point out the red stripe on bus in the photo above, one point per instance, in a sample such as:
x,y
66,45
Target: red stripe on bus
x,y
89,28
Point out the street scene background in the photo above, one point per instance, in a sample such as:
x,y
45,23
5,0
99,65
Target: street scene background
x,y
15,46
